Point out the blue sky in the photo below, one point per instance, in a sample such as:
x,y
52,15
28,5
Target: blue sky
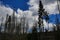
x,y
53,18
15,4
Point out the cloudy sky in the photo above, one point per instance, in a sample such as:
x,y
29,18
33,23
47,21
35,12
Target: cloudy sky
x,y
29,8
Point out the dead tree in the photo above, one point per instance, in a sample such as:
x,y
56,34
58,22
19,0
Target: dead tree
x,y
13,22
1,24
34,32
9,24
6,24
58,5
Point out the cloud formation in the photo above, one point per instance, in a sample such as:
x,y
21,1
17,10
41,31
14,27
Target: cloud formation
x,y
4,11
49,5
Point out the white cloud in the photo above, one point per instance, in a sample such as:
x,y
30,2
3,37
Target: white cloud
x,y
31,13
7,10
51,8
34,6
33,2
45,24
48,26
4,11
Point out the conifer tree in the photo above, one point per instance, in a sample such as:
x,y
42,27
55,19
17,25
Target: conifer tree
x,y
41,10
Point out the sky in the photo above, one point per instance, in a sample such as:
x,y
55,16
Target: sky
x,y
15,4
29,8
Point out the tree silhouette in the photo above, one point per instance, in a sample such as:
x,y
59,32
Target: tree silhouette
x,y
34,32
6,24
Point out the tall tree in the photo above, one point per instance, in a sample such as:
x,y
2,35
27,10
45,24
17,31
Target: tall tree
x,y
13,22
58,5
9,24
6,23
34,32
40,18
57,23
41,14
